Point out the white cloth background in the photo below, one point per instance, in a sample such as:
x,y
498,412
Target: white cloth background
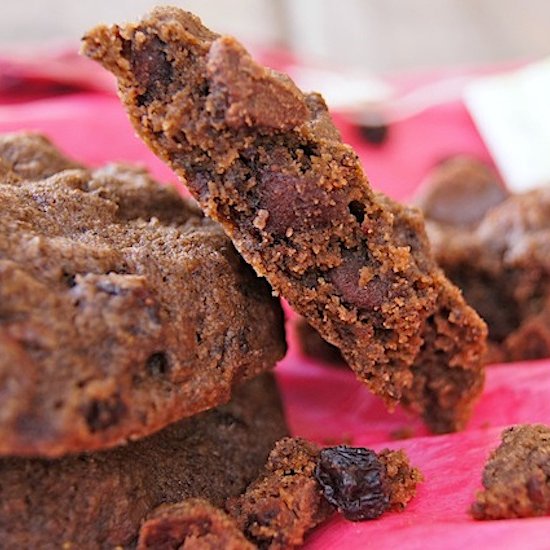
x,y
374,34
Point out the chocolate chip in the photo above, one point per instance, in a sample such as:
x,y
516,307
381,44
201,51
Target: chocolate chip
x,y
345,278
357,210
296,202
151,67
354,480
460,191
157,364
102,414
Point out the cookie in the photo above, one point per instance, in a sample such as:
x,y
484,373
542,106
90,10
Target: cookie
x,y
279,508
499,260
516,476
31,157
122,309
266,161
193,523
459,192
99,500
302,485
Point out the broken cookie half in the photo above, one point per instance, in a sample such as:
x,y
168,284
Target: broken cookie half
x,y
265,160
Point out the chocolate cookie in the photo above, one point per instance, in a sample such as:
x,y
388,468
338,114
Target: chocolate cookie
x,y
99,500
499,260
122,309
266,161
516,478
460,191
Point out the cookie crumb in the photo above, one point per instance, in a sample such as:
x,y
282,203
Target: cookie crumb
x,y
193,523
286,502
516,477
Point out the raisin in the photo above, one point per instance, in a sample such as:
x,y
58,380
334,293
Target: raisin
x,y
354,480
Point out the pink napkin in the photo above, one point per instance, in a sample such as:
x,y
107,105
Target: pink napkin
x,y
325,403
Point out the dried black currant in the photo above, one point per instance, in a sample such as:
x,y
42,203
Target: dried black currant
x,y
353,480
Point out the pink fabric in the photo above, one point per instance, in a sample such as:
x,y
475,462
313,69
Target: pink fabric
x,y
324,403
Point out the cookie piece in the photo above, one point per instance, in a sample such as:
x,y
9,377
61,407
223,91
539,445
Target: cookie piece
x,y
193,523
402,477
516,477
266,161
454,198
99,500
363,484
501,264
122,309
460,191
285,502
301,485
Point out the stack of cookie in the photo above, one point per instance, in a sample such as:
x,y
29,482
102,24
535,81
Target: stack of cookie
x,y
135,345
126,317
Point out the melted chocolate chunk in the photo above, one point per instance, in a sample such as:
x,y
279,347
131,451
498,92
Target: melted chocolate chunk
x,y
287,200
346,278
153,69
